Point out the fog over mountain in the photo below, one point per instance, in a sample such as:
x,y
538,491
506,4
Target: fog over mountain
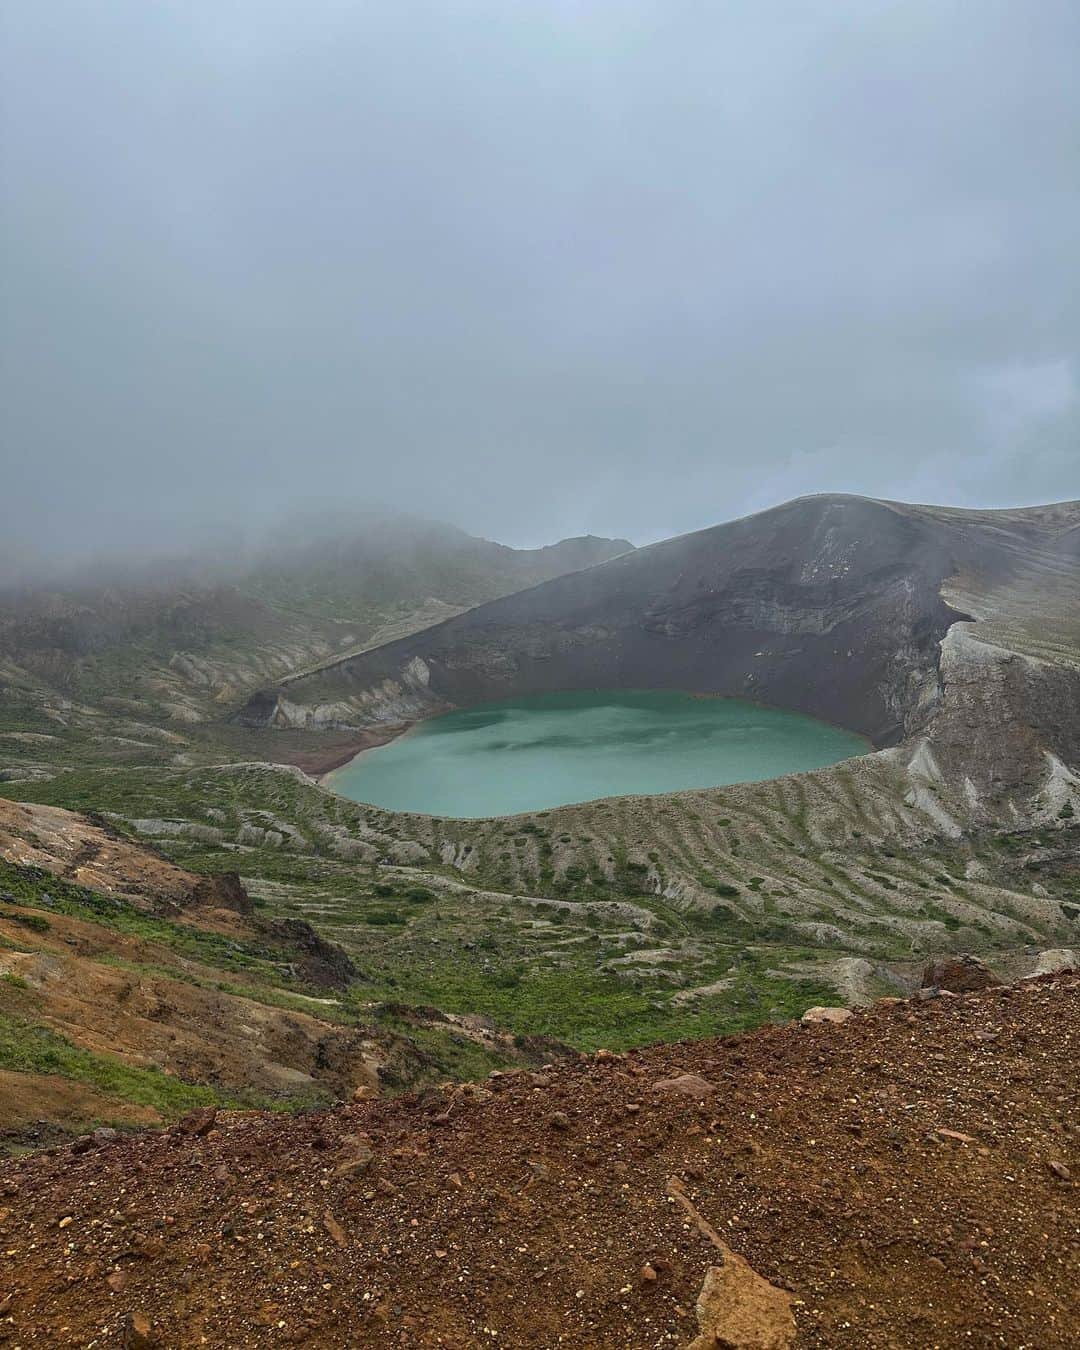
x,y
537,269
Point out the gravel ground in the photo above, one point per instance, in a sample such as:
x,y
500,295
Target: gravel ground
x,y
906,1176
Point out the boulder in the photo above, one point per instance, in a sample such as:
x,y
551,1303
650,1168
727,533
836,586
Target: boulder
x,y
685,1085
198,1122
224,890
137,1332
1055,960
958,975
740,1310
358,1164
319,962
826,1014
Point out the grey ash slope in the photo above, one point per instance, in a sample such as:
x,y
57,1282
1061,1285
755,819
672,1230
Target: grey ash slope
x,y
836,606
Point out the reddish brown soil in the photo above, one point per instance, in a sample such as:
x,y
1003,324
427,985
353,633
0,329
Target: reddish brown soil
x,y
333,751
91,854
523,1213
137,1000
52,1107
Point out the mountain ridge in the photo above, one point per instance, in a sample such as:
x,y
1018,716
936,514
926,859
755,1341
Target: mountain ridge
x,y
106,668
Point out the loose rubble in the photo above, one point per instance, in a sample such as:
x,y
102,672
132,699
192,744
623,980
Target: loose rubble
x,y
904,1178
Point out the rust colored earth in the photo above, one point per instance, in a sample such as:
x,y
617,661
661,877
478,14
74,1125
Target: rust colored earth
x,y
901,1180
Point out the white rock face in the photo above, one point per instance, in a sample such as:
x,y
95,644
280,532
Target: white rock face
x,y
1060,787
417,673
1055,959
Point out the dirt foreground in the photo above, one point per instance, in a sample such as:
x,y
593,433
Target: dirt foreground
x,y
905,1178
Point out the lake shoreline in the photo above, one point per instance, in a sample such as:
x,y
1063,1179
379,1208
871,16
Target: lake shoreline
x,y
321,762
729,753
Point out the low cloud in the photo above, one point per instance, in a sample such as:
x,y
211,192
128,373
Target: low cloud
x,y
534,269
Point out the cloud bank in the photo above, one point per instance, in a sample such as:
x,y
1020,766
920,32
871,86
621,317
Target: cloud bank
x,y
537,269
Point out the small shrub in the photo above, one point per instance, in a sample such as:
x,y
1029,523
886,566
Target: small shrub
x,y
37,923
382,918
720,887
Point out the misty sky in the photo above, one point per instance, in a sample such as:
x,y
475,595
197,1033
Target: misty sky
x,y
532,266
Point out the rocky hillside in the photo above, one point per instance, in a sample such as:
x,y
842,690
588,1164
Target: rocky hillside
x,y
131,990
221,937
904,1178
636,919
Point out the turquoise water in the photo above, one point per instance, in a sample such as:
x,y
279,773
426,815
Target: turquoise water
x,y
528,754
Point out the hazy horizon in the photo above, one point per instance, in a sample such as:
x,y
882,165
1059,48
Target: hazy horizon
x,y
212,554
538,271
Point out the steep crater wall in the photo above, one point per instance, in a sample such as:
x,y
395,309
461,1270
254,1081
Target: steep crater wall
x,y
829,606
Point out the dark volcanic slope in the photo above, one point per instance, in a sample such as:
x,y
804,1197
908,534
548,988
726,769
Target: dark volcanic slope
x,y
902,1180
829,605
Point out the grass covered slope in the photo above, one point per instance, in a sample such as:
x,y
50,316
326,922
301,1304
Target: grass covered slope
x,y
155,990
620,922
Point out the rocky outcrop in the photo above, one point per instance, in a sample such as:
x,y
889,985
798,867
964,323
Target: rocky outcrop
x,y
389,703
318,962
825,1014
1056,960
223,891
958,975
90,852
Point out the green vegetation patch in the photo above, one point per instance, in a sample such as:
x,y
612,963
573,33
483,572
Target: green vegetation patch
x,y
32,886
27,1048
